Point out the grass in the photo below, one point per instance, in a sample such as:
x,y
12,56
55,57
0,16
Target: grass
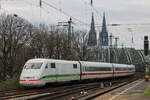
x,y
147,91
137,92
11,83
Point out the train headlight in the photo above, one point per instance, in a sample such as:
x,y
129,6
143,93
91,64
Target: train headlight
x,y
33,77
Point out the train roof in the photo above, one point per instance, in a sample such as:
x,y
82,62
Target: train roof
x,y
50,60
87,62
69,61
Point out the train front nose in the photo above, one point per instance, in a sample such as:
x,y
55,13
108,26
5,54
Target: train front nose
x,y
30,79
31,73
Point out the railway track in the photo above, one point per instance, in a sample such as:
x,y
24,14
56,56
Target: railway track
x,y
66,92
23,94
77,91
101,92
82,91
90,96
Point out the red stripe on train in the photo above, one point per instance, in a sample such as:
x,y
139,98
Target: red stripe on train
x,y
33,80
28,80
22,80
122,72
95,73
103,73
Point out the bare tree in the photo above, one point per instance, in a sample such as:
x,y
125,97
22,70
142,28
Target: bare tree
x,y
20,41
14,33
80,45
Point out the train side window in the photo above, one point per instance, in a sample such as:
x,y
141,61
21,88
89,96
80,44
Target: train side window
x,y
46,67
83,69
75,66
53,65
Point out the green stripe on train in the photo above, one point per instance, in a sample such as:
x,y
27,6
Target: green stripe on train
x,y
60,75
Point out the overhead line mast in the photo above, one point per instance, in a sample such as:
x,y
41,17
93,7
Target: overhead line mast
x,y
40,3
40,8
91,2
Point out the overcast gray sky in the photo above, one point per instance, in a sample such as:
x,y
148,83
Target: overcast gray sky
x,y
117,11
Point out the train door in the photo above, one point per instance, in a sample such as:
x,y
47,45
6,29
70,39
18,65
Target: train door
x,y
81,71
53,72
113,69
63,71
84,75
50,72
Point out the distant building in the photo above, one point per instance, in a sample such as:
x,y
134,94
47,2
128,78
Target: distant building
x,y
103,35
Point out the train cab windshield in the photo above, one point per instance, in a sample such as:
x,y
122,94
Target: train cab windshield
x,y
33,65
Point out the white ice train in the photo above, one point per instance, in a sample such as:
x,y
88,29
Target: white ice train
x,y
38,72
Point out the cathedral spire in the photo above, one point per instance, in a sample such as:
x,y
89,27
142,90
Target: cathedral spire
x,y
104,28
103,35
92,41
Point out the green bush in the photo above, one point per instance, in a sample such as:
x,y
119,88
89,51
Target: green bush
x,y
11,83
147,91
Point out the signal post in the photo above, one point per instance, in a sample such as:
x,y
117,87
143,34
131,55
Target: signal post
x,y
146,70
146,49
